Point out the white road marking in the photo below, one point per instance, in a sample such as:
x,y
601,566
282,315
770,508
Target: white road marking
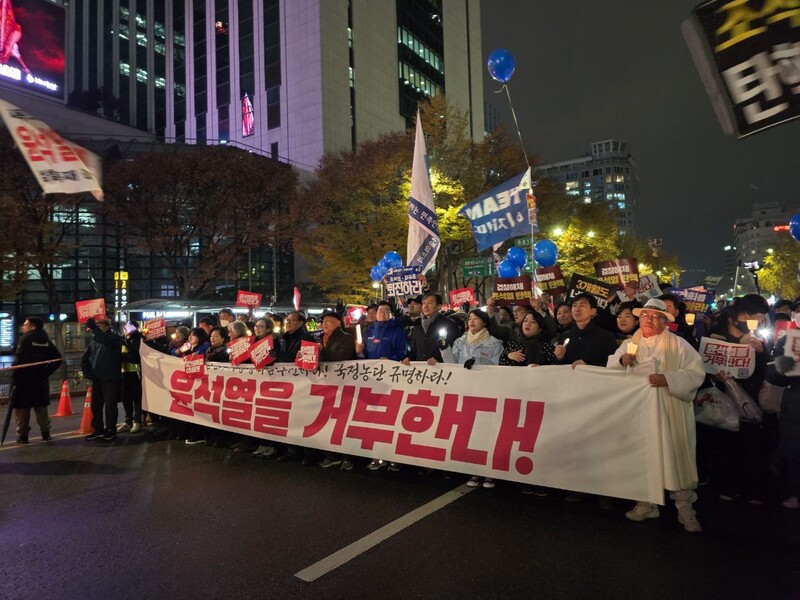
x,y
10,444
340,557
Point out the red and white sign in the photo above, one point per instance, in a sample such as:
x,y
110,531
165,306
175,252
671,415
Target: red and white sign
x,y
239,350
90,309
461,295
155,328
738,360
353,315
248,299
296,299
792,349
194,366
527,427
260,352
781,328
59,166
308,357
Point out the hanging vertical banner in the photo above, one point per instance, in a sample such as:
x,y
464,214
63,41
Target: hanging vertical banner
x,y
248,119
423,226
59,166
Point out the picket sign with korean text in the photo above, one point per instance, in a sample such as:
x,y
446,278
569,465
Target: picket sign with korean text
x,y
239,350
792,349
194,366
248,299
308,357
155,328
260,352
90,309
590,429
461,295
738,360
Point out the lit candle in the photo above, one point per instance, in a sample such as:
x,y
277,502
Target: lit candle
x,y
632,348
358,333
566,341
690,318
752,325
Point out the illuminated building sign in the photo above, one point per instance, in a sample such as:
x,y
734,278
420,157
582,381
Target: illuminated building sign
x,y
780,228
248,119
32,41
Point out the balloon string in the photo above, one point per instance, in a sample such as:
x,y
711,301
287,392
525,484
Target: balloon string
x,y
516,124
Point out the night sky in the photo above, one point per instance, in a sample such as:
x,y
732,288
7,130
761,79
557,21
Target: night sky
x,y
589,71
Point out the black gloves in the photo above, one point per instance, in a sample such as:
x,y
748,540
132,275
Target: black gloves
x,y
468,363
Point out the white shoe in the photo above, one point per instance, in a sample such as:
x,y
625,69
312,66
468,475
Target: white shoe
x,y
488,483
474,481
123,427
688,519
642,511
136,428
791,503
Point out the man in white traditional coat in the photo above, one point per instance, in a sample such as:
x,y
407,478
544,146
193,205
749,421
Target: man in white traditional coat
x,y
678,374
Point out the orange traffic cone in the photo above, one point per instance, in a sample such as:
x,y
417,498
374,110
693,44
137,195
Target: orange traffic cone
x,y
65,402
86,419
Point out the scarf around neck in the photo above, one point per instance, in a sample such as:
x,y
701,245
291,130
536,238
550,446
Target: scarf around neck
x,y
477,338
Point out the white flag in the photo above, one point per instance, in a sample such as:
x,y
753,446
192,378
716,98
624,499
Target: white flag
x,y
59,166
423,227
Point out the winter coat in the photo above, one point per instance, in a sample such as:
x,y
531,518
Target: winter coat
x,y
289,344
426,345
537,350
31,387
789,418
339,346
102,360
486,352
219,354
592,344
385,339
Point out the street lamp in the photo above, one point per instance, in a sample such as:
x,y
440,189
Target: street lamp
x,y
591,234
557,232
377,286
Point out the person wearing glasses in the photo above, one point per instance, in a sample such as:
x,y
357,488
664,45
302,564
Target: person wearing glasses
x,y
678,375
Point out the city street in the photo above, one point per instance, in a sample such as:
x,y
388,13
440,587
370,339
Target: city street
x,y
154,518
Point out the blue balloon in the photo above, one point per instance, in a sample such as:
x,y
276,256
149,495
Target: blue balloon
x,y
377,273
545,253
794,227
394,259
517,256
501,65
507,269
383,263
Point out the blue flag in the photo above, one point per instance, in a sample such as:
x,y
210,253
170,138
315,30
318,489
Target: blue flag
x,y
423,226
501,213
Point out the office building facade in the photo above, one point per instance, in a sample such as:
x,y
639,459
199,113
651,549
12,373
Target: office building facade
x,y
756,236
286,78
607,175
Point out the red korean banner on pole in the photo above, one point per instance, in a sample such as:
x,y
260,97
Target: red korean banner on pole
x,y
90,309
248,299
155,328
261,352
462,295
530,427
239,350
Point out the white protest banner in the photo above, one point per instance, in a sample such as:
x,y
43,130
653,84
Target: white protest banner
x,y
738,360
647,288
59,166
155,328
90,309
590,429
792,349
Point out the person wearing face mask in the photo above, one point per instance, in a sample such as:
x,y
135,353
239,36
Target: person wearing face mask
x,y
741,459
226,317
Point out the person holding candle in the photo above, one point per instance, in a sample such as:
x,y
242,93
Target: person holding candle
x,y
588,343
678,374
432,332
741,459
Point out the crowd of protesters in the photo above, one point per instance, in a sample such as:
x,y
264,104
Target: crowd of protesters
x,y
756,464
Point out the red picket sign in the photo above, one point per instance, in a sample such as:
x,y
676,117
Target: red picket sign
x,y
260,353
461,295
155,328
248,299
308,357
90,309
239,350
194,366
